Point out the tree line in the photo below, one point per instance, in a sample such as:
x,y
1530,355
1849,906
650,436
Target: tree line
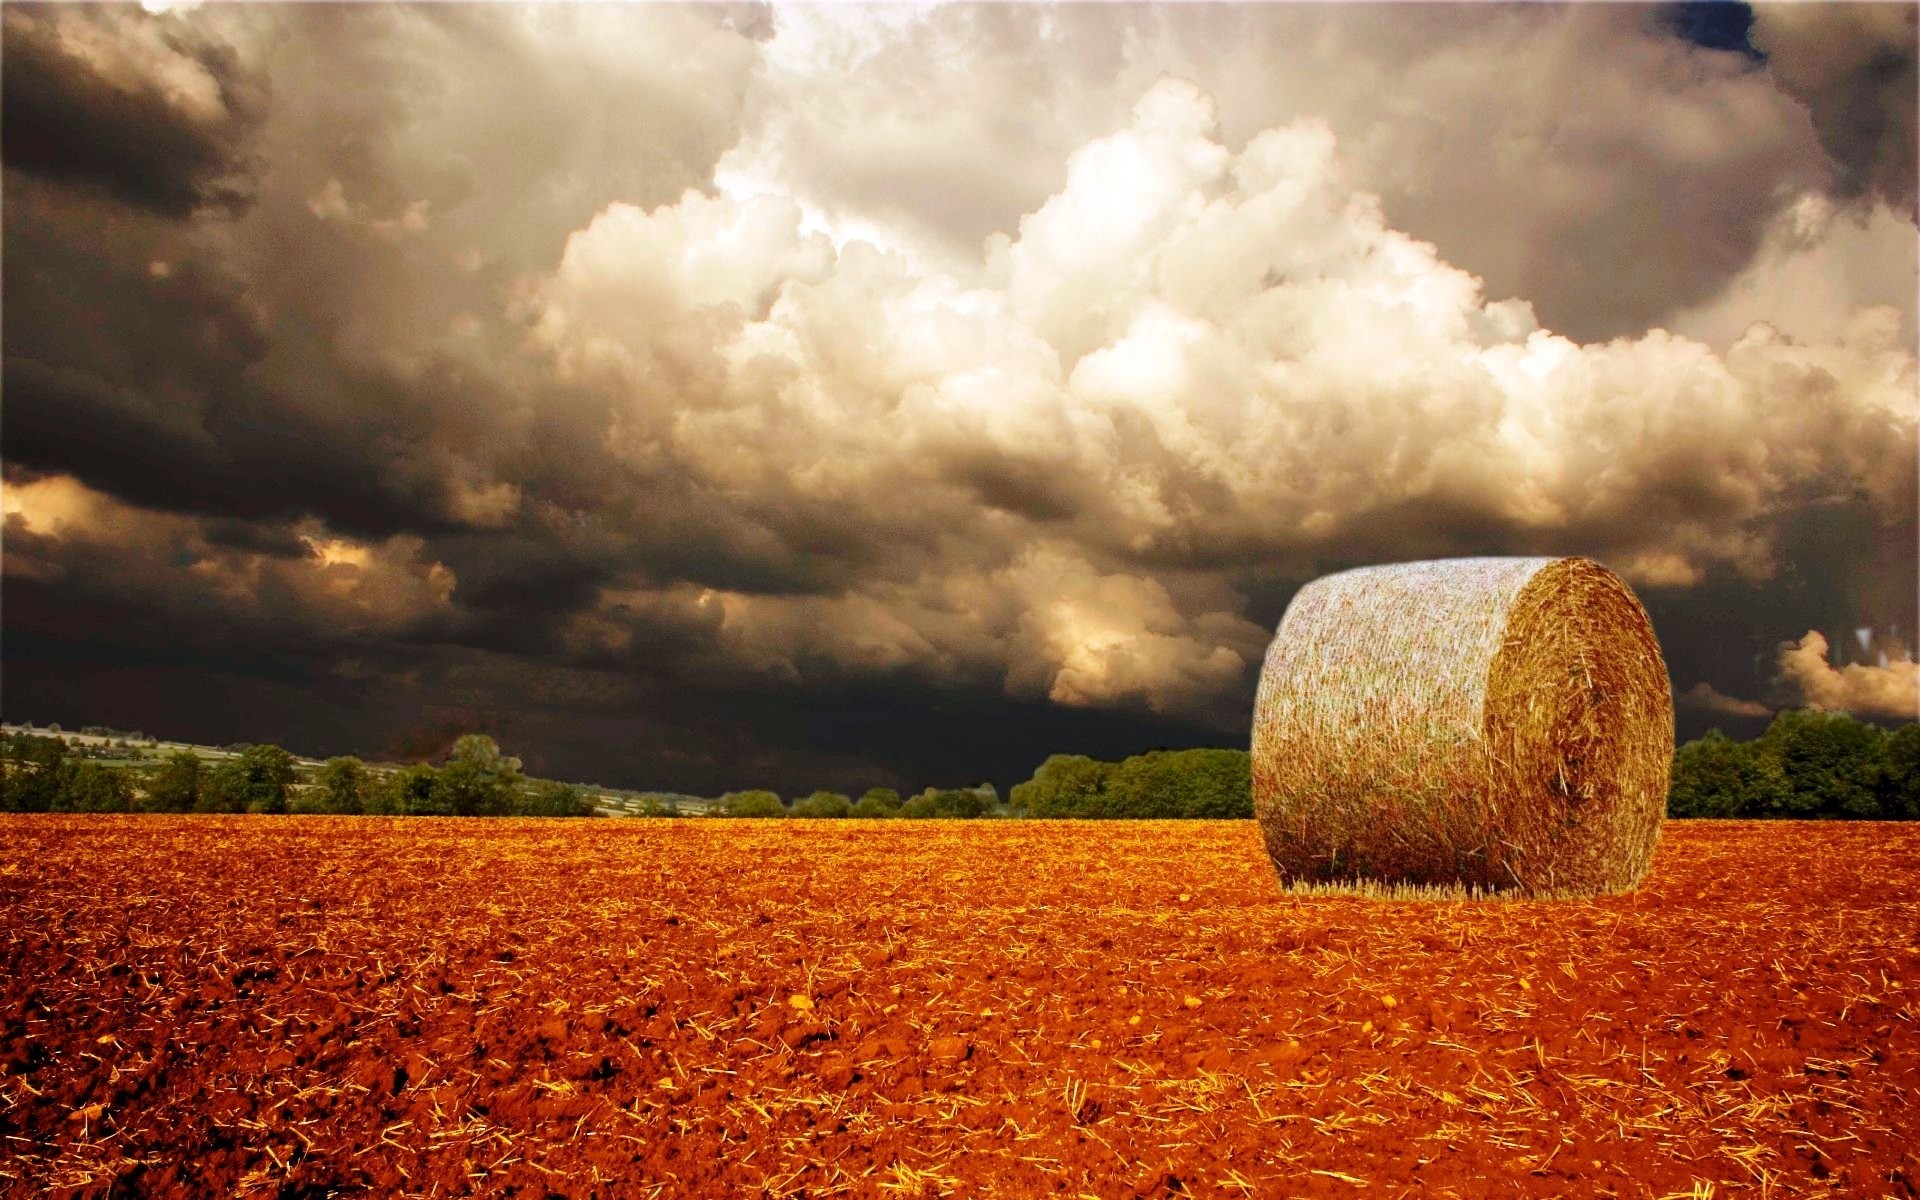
x,y
44,774
874,803
1808,764
1160,784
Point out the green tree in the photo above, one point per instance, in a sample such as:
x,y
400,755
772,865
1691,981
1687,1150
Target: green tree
x,y
31,772
483,752
877,803
752,803
224,789
411,792
269,771
89,787
1900,775
549,799
1066,785
1714,776
1192,784
964,803
343,785
823,804
255,780
400,793
173,784
464,789
1832,763
478,780
946,804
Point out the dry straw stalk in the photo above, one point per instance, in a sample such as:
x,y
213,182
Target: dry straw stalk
x,y
1469,726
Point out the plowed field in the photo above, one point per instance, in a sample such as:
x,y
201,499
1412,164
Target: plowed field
x,y
205,1006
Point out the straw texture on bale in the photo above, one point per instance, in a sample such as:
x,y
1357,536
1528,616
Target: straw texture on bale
x,y
1472,725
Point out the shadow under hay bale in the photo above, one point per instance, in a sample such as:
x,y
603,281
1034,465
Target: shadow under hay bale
x,y
1463,727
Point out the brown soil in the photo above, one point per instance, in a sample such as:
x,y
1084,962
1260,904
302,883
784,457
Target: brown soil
x,y
322,1006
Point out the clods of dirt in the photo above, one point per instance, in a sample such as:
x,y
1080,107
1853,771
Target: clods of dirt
x,y
312,1007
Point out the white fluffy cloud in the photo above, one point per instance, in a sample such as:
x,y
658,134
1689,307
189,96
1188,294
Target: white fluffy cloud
x,y
1188,358
1863,689
1818,265
1578,155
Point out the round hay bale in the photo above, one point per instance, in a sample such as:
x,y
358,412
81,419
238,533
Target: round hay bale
x,y
1472,725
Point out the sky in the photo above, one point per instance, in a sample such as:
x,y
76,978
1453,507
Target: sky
x,y
706,397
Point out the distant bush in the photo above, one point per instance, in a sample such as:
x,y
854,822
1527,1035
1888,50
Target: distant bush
x,y
31,772
1808,764
754,803
823,804
404,793
1832,763
1900,789
342,788
952,804
478,780
876,803
173,784
549,799
90,787
1161,784
256,780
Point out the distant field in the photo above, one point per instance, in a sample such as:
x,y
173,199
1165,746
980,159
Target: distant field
x,y
291,1006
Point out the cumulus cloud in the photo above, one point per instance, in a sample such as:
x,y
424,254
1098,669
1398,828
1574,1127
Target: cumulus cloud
x,y
1614,173
1187,358
1892,690
1818,264
1091,640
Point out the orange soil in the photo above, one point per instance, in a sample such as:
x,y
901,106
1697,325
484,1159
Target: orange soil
x,y
304,1007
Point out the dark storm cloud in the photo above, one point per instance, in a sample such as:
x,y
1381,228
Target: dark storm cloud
x,y
154,112
832,396
246,457
1853,66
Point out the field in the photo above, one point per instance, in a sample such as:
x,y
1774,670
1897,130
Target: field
x,y
302,1007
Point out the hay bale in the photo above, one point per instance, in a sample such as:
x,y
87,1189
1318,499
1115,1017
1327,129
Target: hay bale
x,y
1472,725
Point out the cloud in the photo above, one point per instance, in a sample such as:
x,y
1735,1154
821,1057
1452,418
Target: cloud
x,y
1818,265
1865,690
58,530
1090,640
354,363
1705,697
761,384
1632,173
1188,358
155,112
1852,65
